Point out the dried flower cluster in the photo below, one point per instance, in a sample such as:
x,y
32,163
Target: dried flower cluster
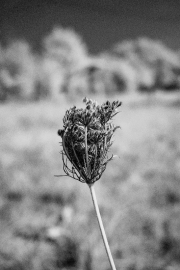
x,y
86,139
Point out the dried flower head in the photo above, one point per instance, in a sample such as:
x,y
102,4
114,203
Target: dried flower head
x,y
86,139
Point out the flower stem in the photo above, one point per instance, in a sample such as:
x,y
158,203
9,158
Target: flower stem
x,y
108,251
86,151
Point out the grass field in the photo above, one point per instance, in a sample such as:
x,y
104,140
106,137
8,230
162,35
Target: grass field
x,y
48,223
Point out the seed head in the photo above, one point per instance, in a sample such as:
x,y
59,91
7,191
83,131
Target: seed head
x,y
86,139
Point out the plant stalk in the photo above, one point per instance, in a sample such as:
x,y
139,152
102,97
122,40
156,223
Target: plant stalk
x,y
86,151
108,251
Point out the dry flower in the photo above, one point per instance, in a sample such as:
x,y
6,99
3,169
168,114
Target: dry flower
x,y
86,139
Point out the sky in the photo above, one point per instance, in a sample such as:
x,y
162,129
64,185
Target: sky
x,y
101,23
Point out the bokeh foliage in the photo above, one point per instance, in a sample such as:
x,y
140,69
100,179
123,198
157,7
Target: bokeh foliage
x,y
65,67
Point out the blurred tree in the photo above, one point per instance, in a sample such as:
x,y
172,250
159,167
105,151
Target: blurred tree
x,y
157,66
66,47
64,51
17,71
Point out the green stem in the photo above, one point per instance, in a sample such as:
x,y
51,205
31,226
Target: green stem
x,y
108,251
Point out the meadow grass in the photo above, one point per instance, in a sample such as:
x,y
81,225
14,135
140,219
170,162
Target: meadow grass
x,y
49,223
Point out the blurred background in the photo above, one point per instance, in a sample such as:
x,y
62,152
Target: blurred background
x,y
52,54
